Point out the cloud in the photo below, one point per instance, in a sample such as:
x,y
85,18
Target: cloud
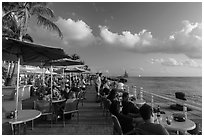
x,y
126,39
76,33
187,41
173,62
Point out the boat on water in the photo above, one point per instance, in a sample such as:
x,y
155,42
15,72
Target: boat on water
x,y
126,74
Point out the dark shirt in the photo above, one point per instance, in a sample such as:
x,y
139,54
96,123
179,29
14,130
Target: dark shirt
x,y
125,122
129,107
153,129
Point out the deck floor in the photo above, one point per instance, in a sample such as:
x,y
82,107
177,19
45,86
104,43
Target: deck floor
x,y
91,121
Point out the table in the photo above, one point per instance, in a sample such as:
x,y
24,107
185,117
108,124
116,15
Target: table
x,y
178,126
58,101
23,117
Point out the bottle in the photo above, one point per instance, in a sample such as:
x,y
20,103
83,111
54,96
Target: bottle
x,y
158,111
16,114
185,111
168,121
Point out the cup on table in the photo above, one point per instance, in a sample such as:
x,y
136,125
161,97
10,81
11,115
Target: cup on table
x,y
169,119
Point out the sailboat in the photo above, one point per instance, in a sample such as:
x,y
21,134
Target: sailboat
x,y
126,74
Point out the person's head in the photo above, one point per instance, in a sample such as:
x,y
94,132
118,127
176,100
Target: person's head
x,y
146,113
115,107
100,74
125,96
113,93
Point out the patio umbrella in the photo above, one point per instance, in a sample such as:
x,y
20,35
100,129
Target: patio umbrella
x,y
74,70
25,52
61,62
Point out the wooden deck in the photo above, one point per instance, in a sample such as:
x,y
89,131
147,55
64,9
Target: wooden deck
x,y
91,121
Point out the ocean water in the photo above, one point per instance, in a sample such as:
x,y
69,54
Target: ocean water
x,y
167,86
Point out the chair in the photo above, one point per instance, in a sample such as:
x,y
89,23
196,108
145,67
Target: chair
x,y
45,107
106,105
8,93
80,96
116,126
196,131
71,106
26,93
7,129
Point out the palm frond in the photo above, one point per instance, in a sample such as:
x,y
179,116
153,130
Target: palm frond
x,y
10,22
9,6
39,9
49,25
7,31
38,3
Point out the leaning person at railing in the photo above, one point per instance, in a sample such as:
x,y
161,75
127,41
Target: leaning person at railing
x,y
149,125
128,106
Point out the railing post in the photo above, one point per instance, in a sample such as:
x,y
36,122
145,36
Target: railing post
x,y
152,101
135,92
141,93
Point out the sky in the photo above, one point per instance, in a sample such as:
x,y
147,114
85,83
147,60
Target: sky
x,y
147,39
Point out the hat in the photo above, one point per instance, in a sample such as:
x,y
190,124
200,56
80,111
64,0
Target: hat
x,y
180,95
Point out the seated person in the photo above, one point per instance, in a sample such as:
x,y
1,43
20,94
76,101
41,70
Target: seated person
x,y
67,93
112,95
126,122
128,107
149,126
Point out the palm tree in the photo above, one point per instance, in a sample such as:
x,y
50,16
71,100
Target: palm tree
x,y
75,57
18,14
16,17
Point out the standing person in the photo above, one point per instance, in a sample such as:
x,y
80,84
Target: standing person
x,y
98,85
106,86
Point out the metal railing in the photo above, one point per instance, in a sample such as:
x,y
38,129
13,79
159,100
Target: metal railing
x,y
177,101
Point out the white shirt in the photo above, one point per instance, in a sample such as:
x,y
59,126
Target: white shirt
x,y
120,85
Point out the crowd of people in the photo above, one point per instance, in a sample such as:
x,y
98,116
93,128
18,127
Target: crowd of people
x,y
127,113
62,86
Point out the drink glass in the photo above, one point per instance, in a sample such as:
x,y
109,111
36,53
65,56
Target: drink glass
x,y
169,120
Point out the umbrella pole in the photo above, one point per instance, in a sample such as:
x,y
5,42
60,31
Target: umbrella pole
x,y
17,88
51,82
43,76
70,80
63,72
